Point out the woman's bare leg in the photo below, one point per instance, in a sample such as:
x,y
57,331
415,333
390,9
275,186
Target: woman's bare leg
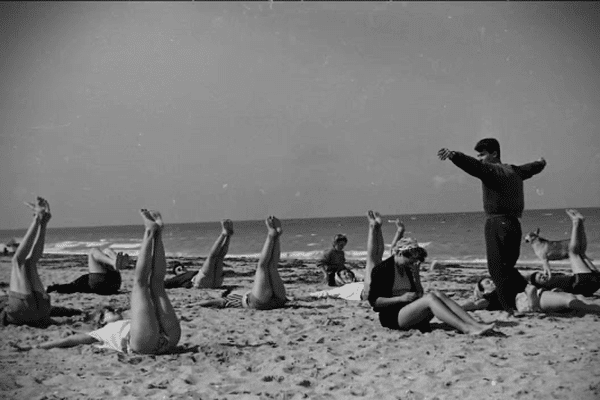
x,y
211,273
99,262
277,286
167,318
375,248
580,264
24,274
145,327
422,309
458,310
561,301
261,290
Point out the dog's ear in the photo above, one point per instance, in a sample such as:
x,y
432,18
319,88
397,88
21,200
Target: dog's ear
x,y
537,231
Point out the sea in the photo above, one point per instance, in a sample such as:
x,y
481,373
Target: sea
x,y
452,237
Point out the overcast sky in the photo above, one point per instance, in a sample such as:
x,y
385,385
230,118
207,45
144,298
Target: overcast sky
x,y
213,110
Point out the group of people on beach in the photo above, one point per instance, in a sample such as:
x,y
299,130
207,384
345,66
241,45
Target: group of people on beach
x,y
392,286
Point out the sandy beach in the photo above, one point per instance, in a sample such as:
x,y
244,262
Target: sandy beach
x,y
312,349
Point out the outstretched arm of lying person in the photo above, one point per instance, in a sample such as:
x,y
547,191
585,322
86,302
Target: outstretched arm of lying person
x,y
71,341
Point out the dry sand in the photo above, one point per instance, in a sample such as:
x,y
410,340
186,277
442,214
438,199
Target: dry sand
x,y
312,349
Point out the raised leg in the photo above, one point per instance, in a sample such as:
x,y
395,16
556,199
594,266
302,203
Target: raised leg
x,y
99,262
145,327
211,273
277,285
375,248
580,264
262,290
24,274
167,318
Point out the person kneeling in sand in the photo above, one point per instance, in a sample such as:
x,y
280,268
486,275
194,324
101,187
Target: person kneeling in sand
x,y
586,277
395,291
268,291
104,275
28,301
210,275
154,327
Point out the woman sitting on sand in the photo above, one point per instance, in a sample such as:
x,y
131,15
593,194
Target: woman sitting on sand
x,y
395,290
535,299
211,273
28,302
268,291
104,275
586,277
154,327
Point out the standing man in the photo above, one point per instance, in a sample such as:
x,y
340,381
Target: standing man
x,y
503,203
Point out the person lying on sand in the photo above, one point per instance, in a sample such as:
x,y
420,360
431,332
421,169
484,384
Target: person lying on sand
x,y
354,291
104,275
211,273
485,297
268,291
154,327
333,263
395,290
586,277
28,303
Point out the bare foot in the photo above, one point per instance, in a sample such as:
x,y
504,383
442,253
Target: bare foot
x,y
277,225
227,226
482,329
41,209
374,218
574,214
273,225
157,218
399,225
149,221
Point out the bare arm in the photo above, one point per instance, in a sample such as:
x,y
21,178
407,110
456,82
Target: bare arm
x,y
71,341
392,301
398,235
473,305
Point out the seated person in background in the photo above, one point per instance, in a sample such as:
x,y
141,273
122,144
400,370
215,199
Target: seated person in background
x,y
268,291
334,259
154,327
352,289
211,273
485,297
586,278
28,303
104,275
396,294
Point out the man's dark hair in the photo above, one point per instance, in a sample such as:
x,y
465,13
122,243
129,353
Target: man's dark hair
x,y
488,144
